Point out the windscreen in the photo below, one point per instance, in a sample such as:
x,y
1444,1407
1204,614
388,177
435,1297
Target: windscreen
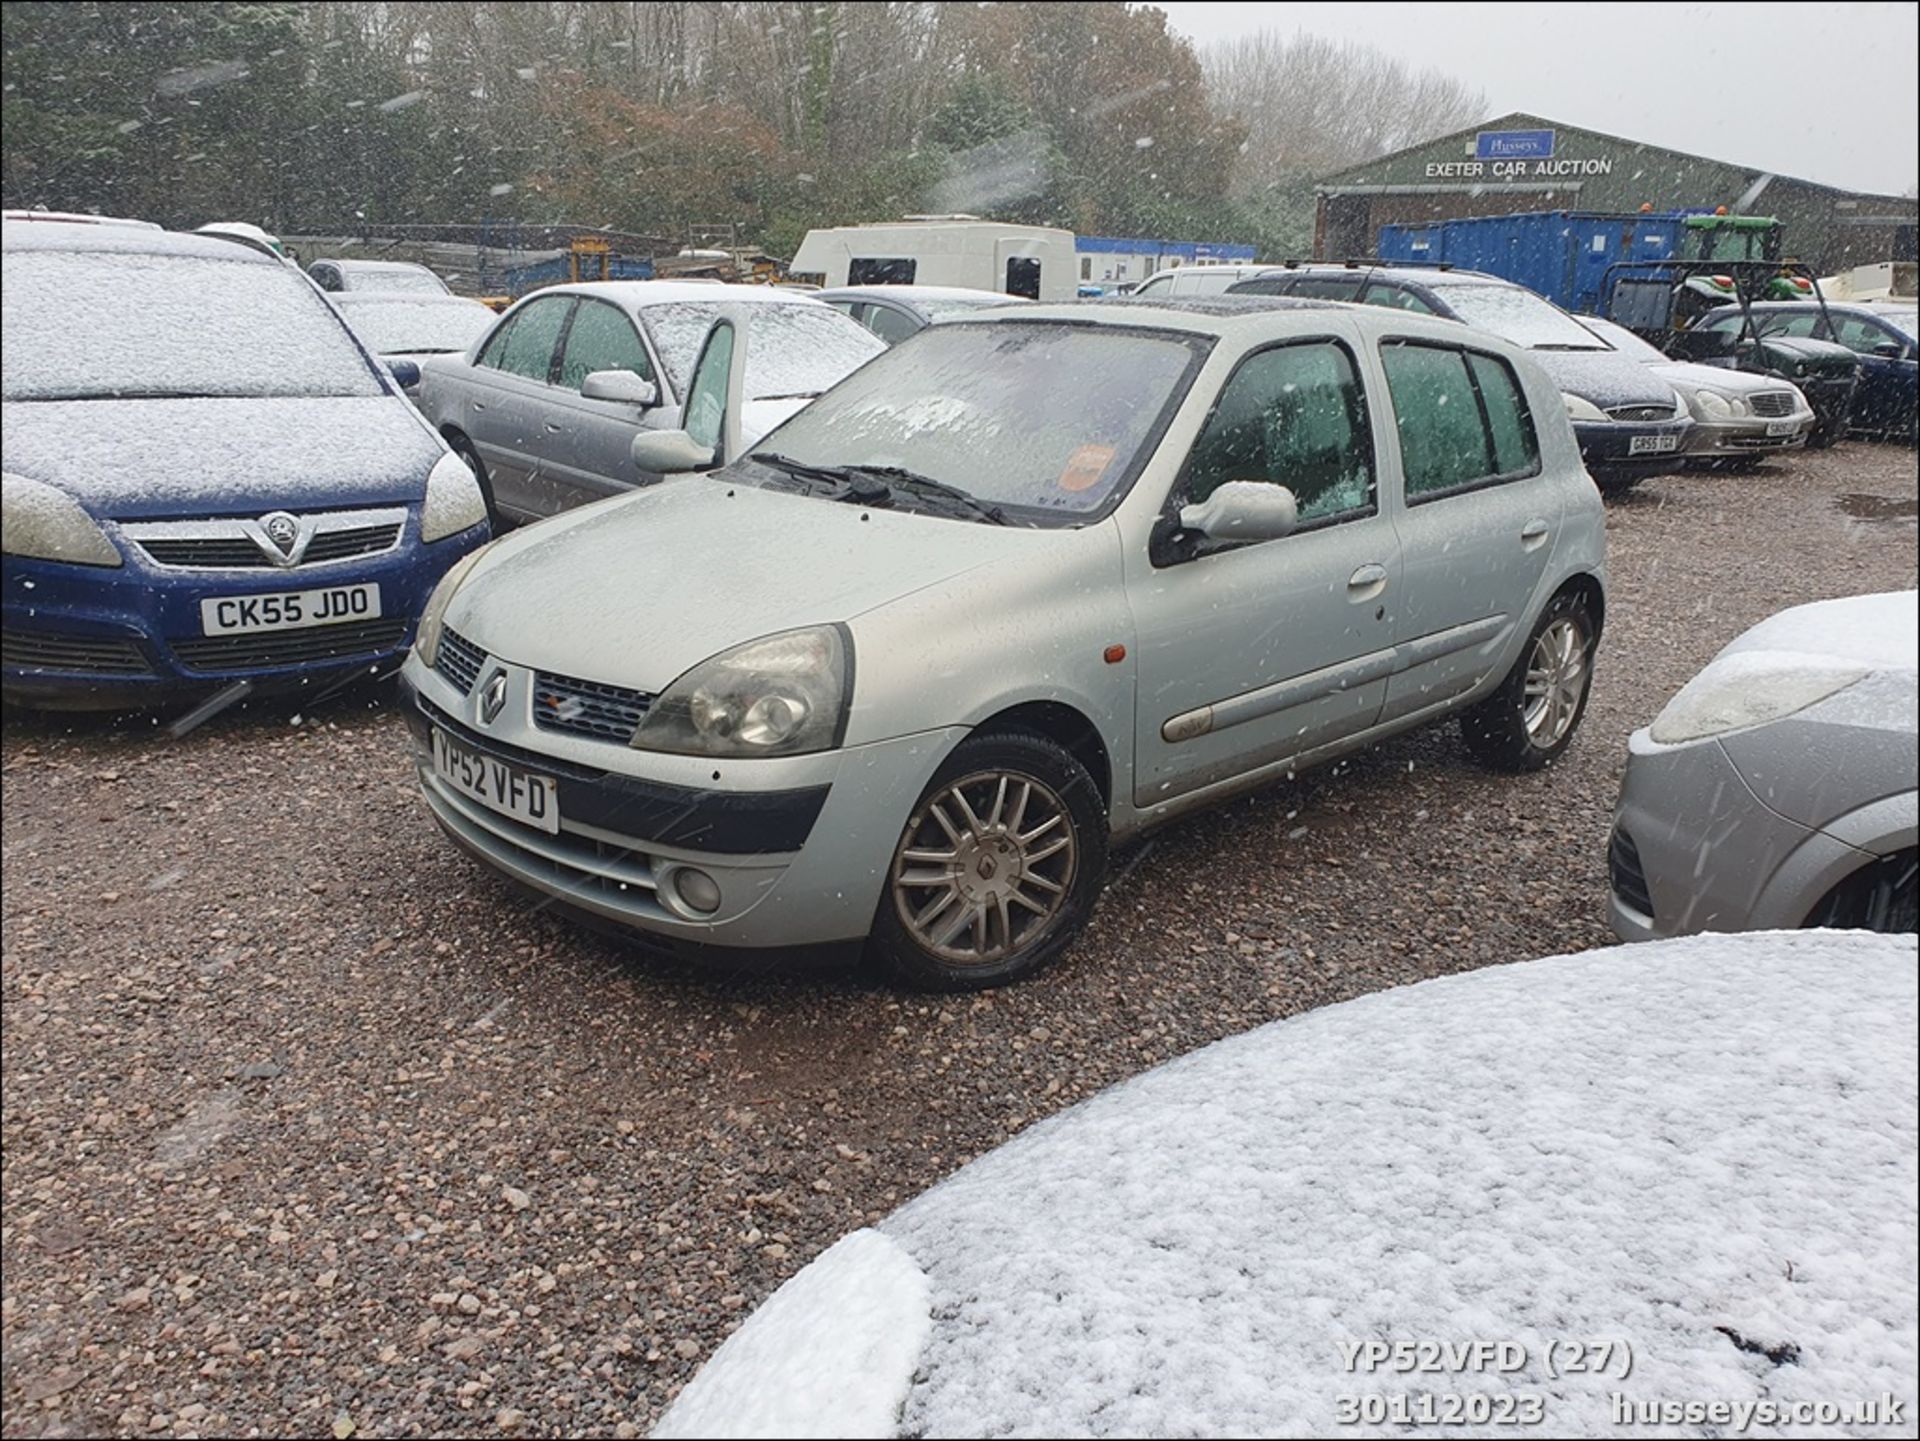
x,y
1516,315
792,350
1047,416
93,325
416,327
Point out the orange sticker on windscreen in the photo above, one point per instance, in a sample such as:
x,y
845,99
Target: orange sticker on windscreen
x,y
1085,467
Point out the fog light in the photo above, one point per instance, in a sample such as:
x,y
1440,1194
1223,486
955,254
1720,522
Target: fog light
x,y
697,890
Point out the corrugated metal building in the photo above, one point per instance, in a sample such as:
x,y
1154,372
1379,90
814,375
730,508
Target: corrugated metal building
x,y
1525,162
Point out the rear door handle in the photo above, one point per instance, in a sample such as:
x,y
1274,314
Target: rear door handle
x,y
477,405
1533,533
553,429
1366,582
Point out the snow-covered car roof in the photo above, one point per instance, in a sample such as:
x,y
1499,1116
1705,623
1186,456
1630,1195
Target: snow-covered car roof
x,y
911,294
1683,1169
126,240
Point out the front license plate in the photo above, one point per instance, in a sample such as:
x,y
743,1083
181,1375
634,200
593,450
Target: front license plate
x,y
290,609
1652,444
534,800
1782,427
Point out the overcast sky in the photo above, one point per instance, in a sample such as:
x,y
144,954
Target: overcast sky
x,y
1823,92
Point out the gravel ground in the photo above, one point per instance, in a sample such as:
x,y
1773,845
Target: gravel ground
x,y
311,1125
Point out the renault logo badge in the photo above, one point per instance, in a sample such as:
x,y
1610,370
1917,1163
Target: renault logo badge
x,y
493,697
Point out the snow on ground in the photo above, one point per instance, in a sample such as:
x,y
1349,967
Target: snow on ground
x,y
829,1354
1700,1151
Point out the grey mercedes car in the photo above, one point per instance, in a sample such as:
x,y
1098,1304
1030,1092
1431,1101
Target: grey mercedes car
x,y
1021,587
1777,788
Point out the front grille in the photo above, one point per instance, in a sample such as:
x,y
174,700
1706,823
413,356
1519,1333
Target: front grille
x,y
342,544
289,647
206,553
459,660
1629,880
237,542
587,708
1642,412
44,650
1774,404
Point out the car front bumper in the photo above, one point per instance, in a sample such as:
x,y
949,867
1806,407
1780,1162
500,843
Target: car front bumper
x,y
1747,436
797,846
1621,450
1693,849
94,637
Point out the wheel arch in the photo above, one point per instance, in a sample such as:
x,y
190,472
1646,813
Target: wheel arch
x,y
1068,727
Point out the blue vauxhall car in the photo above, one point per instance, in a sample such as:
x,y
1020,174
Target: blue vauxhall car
x,y
208,479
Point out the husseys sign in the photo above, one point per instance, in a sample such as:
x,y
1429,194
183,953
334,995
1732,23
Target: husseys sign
x,y
1516,154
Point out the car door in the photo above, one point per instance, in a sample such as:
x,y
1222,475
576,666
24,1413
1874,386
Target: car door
x,y
588,443
892,323
500,406
1885,401
717,387
1477,521
1255,653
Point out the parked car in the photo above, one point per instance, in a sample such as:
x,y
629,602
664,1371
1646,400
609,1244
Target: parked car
x,y
1179,280
1027,585
1882,337
386,276
1566,1192
1777,789
1630,423
70,217
1739,418
242,232
403,329
546,408
208,479
893,312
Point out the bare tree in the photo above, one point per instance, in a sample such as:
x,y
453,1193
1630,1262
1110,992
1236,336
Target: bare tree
x,y
1312,105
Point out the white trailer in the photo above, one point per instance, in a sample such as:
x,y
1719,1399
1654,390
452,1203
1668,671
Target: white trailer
x,y
960,250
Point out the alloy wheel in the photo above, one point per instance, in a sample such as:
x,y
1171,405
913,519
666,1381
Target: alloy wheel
x,y
1556,681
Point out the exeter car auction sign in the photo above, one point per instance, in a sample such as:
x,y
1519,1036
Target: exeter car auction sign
x,y
1514,154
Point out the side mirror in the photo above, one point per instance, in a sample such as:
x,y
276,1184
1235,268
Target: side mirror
x,y
622,386
669,452
406,373
1890,350
1243,510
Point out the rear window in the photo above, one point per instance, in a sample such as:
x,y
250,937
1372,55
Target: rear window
x,y
416,327
402,282
102,325
792,350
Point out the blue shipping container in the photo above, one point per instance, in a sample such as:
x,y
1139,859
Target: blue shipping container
x,y
1561,254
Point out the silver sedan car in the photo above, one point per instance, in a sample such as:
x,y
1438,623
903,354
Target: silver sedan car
x,y
545,407
1023,586
1777,789
1739,418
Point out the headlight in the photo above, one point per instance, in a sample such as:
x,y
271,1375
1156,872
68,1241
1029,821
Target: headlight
x,y
453,502
1579,409
1748,689
426,639
45,523
785,694
1712,405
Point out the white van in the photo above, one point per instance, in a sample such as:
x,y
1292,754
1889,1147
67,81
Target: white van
x,y
1200,279
959,250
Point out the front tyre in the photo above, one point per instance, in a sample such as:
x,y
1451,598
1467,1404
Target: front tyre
x,y
996,869
1531,718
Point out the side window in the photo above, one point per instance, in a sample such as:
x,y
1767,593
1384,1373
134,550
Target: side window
x,y
1296,416
854,308
707,395
1798,323
1462,419
525,345
1729,323
1086,267
892,326
1261,286
327,278
1327,287
1859,334
601,338
1159,285
1395,298
1023,276
868,270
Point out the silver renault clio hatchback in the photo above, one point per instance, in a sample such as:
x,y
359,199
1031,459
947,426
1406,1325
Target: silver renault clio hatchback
x,y
1021,587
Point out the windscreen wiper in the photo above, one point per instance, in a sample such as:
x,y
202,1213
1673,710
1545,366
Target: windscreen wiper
x,y
880,486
